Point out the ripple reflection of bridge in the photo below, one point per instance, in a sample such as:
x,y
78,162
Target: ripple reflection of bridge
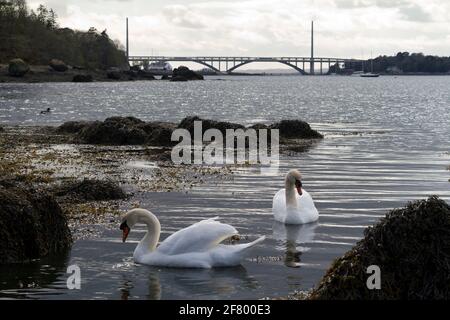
x,y
229,64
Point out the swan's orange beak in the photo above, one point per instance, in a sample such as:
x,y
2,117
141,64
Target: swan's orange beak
x,y
125,232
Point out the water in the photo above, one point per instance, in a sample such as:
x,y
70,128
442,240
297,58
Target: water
x,y
386,144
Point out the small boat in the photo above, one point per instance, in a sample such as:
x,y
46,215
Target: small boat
x,y
369,74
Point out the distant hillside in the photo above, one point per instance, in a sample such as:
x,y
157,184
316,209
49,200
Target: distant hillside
x,y
37,38
405,63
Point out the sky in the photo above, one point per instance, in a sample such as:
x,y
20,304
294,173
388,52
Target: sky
x,y
344,28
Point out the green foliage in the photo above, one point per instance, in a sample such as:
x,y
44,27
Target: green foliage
x,y
37,38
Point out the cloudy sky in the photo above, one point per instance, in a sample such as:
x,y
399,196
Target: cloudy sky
x,y
344,28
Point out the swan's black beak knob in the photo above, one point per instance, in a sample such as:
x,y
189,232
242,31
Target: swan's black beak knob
x,y
125,231
298,186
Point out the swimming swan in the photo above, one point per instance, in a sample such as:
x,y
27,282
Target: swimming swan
x,y
197,246
293,205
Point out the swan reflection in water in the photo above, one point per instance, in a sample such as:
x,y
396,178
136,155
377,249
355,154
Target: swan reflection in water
x,y
188,283
291,236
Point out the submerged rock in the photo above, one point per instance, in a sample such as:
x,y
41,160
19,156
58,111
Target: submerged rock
x,y
412,248
82,78
90,190
32,225
183,72
296,129
18,68
58,65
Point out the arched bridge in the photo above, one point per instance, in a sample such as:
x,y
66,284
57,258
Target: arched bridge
x,y
230,64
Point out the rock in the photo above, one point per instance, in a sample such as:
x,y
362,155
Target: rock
x,y
188,124
1,129
165,77
82,78
32,226
178,79
18,68
90,190
72,126
186,73
126,131
58,65
411,247
296,129
114,74
146,75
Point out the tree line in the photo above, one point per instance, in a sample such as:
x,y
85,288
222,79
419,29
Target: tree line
x,y
36,37
403,62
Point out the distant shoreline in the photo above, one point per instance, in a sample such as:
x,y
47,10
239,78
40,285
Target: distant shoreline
x,y
44,74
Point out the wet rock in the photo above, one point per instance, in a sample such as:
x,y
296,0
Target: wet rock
x,y
114,74
296,129
58,65
32,225
82,78
412,248
165,77
145,75
188,124
126,131
73,126
90,190
186,73
178,79
18,68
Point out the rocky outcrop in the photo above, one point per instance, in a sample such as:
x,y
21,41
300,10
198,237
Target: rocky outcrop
x,y
183,72
126,131
58,65
412,248
114,74
32,225
82,78
71,127
296,129
188,124
90,190
18,68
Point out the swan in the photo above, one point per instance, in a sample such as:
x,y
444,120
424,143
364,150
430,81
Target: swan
x,y
197,246
294,205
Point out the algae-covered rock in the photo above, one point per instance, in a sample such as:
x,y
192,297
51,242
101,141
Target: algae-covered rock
x,y
73,126
32,225
296,129
188,124
90,190
183,72
18,68
412,248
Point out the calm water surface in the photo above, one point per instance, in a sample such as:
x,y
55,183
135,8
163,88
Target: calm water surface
x,y
386,142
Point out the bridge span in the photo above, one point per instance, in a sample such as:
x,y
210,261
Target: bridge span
x,y
223,64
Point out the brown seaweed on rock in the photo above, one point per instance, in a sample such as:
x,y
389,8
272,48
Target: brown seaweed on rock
x,y
412,248
90,190
32,225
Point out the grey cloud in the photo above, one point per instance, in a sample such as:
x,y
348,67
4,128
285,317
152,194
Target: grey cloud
x,y
182,16
415,13
354,4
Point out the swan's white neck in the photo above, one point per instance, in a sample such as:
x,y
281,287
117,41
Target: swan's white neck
x,y
289,185
151,238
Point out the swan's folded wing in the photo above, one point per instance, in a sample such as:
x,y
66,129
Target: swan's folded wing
x,y
199,237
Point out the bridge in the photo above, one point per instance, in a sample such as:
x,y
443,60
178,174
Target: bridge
x,y
225,64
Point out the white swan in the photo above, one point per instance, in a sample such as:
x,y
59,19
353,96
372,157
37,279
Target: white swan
x,y
197,246
293,205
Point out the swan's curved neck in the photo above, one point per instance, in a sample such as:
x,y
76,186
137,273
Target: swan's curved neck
x,y
291,199
151,238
